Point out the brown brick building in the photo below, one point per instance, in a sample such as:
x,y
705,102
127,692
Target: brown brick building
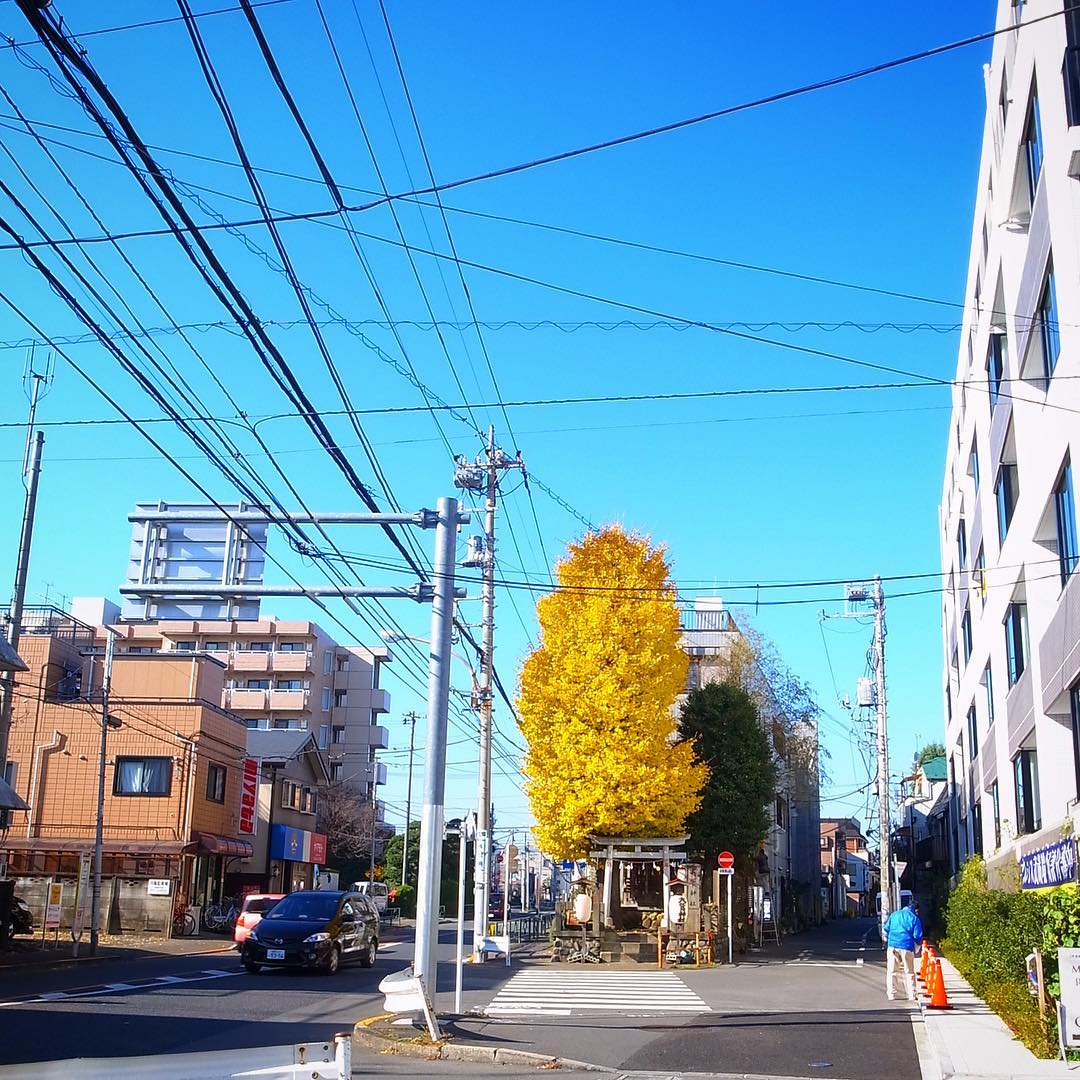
x,y
172,774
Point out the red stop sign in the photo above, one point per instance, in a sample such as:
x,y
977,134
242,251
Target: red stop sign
x,y
725,860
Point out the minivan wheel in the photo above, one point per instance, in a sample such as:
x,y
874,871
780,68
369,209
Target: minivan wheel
x,y
367,958
333,961
251,967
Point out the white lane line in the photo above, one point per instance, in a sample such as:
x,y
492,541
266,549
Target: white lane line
x,y
118,988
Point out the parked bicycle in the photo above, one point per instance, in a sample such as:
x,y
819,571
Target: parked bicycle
x,y
220,918
183,921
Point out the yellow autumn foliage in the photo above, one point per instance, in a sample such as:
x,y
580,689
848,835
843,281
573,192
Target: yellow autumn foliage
x,y
596,697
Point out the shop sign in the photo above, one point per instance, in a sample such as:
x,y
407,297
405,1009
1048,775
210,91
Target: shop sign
x,y
54,906
249,796
318,848
297,845
158,887
1054,864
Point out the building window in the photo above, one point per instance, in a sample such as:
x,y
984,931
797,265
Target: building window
x,y
142,776
1016,635
324,736
259,646
290,795
965,633
1033,146
215,783
257,684
251,725
217,646
988,685
289,684
995,799
1049,334
1065,515
976,828
308,801
328,662
337,735
292,646
826,843
142,650
1006,492
973,464
979,572
340,699
961,544
995,365
343,663
335,770
184,646
1028,812
326,699
781,813
973,733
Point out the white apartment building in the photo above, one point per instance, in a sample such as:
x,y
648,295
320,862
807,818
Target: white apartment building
x,y
1011,603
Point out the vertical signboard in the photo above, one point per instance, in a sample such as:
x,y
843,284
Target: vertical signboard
x,y
54,906
1069,1009
249,796
82,896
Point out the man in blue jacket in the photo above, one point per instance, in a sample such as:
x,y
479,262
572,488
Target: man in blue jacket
x,y
903,935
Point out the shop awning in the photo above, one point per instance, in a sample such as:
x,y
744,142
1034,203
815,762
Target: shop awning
x,y
9,658
10,799
211,844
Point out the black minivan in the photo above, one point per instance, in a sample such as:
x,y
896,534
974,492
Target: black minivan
x,y
314,929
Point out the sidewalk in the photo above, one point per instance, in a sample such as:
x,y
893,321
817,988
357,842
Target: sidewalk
x,y
969,1041
26,952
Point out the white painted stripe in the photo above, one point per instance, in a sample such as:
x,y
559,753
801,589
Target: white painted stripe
x,y
118,988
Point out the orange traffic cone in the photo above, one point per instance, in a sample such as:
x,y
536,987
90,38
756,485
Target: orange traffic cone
x,y
939,999
931,970
925,961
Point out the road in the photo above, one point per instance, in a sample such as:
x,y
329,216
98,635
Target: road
x,y
782,1013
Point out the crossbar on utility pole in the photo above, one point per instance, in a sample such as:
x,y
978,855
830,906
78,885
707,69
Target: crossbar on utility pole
x,y
425,955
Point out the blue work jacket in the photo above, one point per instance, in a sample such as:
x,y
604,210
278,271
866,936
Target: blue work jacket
x,y
903,930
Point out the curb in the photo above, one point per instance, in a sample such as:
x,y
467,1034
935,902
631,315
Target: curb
x,y
127,954
456,1051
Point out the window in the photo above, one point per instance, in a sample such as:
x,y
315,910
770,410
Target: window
x,y
1016,640
324,736
1033,148
289,684
142,776
965,633
217,646
826,843
781,813
292,646
1028,812
973,464
995,800
1074,709
978,576
1065,515
11,772
1006,492
257,684
343,663
326,699
961,544
995,365
290,795
215,783
335,770
251,725
339,699
1049,334
976,829
307,801
337,735
988,685
141,650
184,646
328,662
259,646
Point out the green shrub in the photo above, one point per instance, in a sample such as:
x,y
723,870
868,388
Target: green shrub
x,y
406,901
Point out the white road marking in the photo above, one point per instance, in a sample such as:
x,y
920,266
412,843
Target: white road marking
x,y
119,988
563,993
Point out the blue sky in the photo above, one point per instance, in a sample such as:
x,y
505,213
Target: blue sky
x,y
872,183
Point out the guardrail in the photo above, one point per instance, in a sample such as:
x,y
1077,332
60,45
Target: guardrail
x,y
532,926
304,1061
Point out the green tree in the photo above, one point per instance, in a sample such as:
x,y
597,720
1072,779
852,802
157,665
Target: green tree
x,y
929,752
392,856
724,726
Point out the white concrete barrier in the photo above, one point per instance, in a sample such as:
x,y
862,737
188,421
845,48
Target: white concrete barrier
x,y
404,994
304,1061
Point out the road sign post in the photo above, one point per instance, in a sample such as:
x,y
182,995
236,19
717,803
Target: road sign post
x,y
726,862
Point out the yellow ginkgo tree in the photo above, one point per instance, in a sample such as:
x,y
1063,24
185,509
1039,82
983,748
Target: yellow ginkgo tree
x,y
596,700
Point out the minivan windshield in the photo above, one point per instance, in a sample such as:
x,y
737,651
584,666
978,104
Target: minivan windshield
x,y
260,904
312,905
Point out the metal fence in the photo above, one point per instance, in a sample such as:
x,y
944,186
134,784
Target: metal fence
x,y
532,926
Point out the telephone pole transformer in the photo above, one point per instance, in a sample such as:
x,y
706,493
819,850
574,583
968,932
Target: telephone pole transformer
x,y
483,475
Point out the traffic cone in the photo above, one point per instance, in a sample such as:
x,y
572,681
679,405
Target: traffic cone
x,y
939,999
931,975
922,965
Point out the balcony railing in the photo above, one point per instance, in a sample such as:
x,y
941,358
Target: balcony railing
x,y
1070,76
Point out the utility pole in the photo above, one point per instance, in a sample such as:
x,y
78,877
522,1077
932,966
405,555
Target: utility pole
x,y
99,829
410,719
884,823
425,953
374,820
18,592
483,475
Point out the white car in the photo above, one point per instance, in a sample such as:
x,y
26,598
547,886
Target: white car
x,y
377,891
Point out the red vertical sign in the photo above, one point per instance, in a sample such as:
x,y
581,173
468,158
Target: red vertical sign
x,y
249,796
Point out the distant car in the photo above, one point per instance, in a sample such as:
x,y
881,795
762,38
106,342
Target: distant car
x,y
255,906
21,918
314,929
378,891
495,905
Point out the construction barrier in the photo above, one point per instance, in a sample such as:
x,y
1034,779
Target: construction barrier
x,y
304,1061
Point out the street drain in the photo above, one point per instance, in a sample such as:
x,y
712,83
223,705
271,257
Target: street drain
x,y
820,1064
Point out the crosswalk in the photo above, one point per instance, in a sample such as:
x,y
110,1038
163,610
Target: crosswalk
x,y
563,993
